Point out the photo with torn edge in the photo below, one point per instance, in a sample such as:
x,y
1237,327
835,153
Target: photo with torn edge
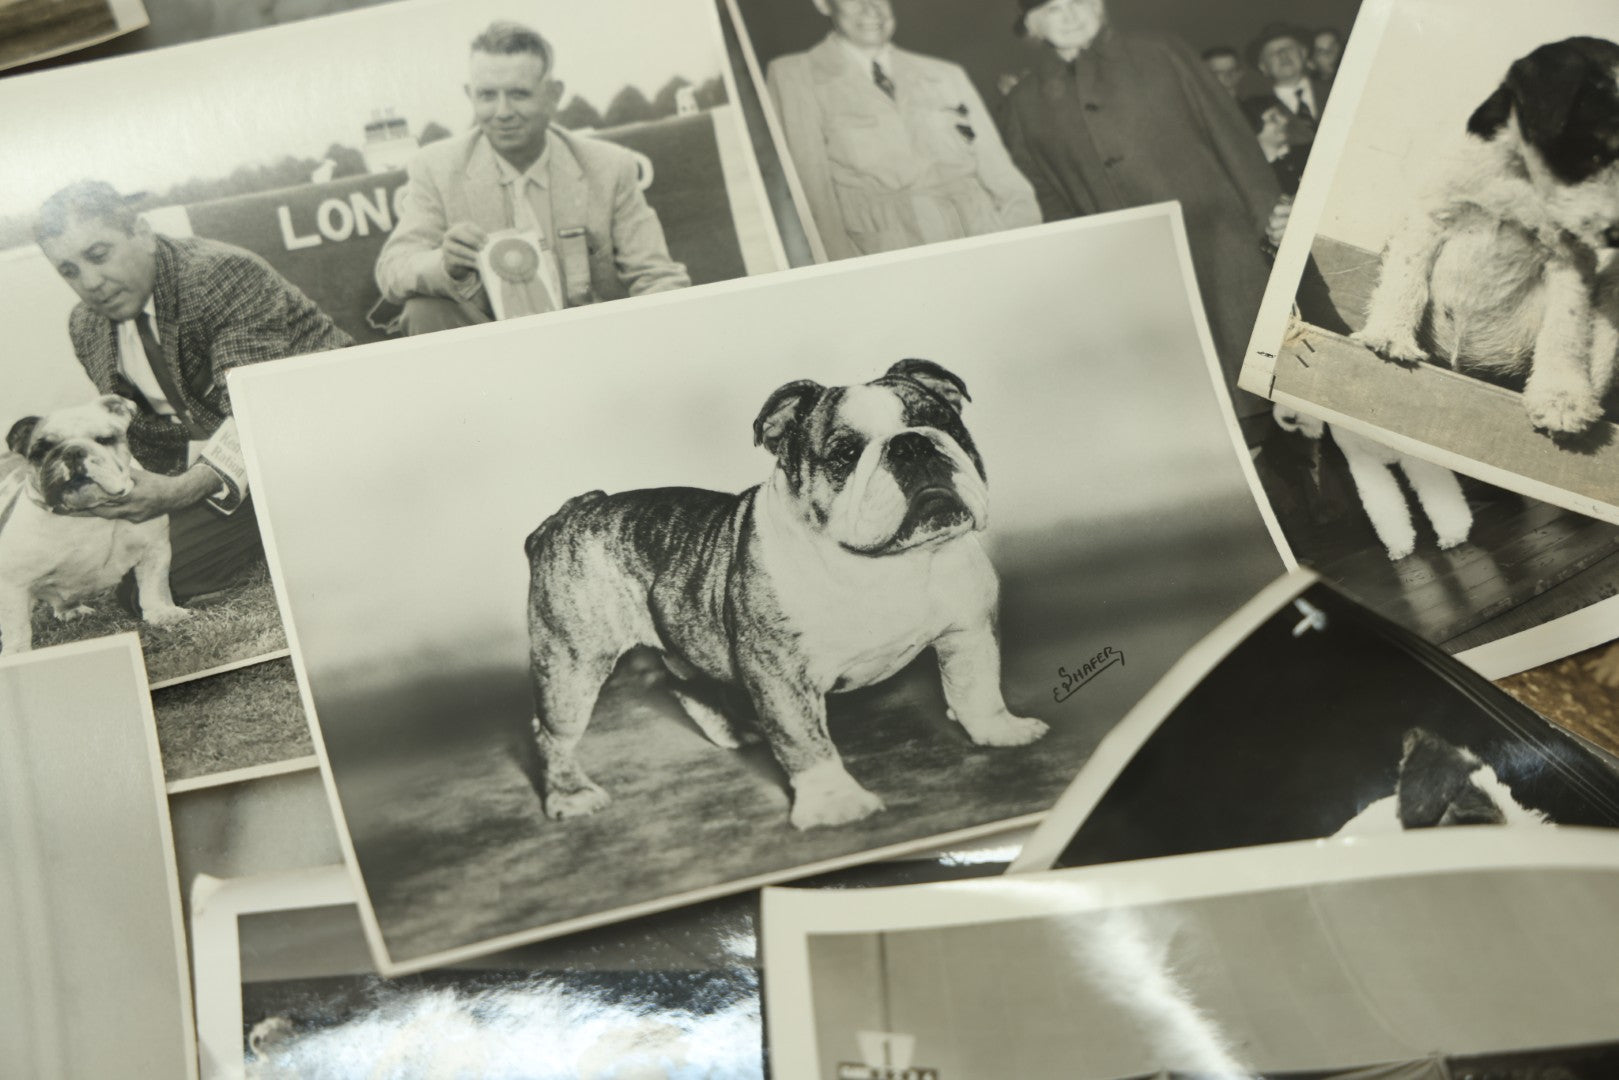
x,y
935,484
1307,715
1417,956
1508,580
286,989
38,29
905,122
93,966
337,184
1471,248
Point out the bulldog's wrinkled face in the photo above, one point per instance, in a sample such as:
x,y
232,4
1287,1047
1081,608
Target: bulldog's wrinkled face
x,y
1559,106
880,468
80,456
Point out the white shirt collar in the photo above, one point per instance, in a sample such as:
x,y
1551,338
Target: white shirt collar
x,y
539,172
863,59
1289,95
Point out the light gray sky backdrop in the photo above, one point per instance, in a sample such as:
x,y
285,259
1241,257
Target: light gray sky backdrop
x,y
153,119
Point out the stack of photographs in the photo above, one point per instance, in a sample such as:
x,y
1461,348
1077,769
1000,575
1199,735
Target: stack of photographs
x,y
493,485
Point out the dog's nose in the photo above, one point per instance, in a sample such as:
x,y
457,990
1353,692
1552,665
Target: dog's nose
x,y
909,446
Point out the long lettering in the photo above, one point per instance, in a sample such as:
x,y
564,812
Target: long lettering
x,y
289,236
335,220
368,213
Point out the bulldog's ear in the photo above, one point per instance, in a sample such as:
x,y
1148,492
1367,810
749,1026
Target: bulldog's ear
x,y
120,407
23,430
947,384
783,410
1542,88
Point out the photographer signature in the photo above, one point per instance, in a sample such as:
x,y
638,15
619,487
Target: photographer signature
x,y
1073,680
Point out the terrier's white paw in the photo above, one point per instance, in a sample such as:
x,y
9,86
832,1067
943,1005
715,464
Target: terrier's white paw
x,y
576,803
1451,538
1401,550
165,616
826,794
1566,410
1005,729
1399,346
72,613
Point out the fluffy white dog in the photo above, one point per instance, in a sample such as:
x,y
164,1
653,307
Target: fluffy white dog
x,y
1371,466
1507,267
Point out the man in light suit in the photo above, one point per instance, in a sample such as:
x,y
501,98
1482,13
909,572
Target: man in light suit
x,y
580,196
893,148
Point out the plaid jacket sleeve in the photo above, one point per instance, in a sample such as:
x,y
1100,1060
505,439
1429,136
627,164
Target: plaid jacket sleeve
x,y
240,311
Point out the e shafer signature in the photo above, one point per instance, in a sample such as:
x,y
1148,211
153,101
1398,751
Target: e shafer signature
x,y
1090,669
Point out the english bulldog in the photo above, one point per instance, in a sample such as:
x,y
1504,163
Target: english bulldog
x,y
75,459
1510,265
858,552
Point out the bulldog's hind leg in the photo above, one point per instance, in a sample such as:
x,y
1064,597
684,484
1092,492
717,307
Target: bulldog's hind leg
x,y
720,729
565,692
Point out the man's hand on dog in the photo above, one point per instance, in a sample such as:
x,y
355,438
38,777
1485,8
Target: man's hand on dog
x,y
459,249
154,495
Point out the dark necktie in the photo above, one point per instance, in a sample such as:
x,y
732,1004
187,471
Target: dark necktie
x,y
1304,109
160,369
884,83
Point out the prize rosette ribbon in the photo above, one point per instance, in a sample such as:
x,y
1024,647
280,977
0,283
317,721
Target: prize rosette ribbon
x,y
514,259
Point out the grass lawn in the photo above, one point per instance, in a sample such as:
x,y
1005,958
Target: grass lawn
x,y
231,625
250,716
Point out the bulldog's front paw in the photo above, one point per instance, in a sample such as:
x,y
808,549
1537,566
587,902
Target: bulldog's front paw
x,y
1398,346
826,794
166,616
1561,409
1004,729
577,802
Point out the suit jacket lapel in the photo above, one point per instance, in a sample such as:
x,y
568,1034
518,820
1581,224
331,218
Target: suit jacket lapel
x,y
166,303
568,190
486,201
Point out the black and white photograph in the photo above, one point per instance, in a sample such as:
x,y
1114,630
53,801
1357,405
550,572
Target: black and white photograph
x,y
1416,956
37,29
355,178
286,988
233,726
93,965
1306,715
574,662
1472,315
910,121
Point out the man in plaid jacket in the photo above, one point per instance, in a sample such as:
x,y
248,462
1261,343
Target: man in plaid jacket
x,y
160,321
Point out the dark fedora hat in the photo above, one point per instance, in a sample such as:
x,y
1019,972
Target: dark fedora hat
x,y
1020,27
1270,33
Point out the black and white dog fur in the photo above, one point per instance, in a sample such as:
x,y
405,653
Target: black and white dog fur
x,y
1441,784
857,553
1371,467
75,459
1508,267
